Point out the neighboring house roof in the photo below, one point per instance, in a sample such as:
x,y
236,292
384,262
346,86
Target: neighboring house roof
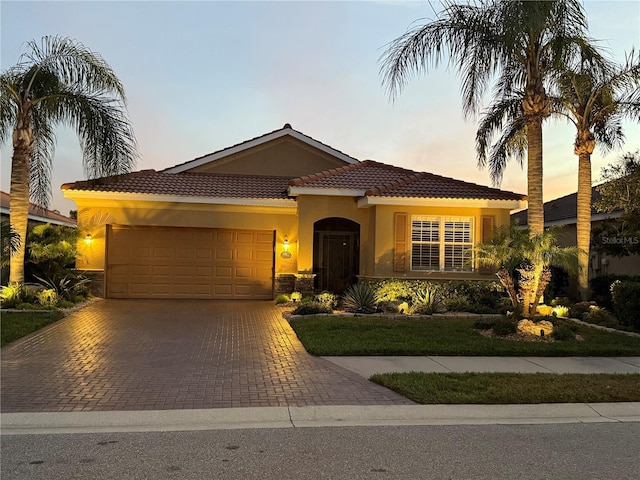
x,y
287,130
564,211
37,213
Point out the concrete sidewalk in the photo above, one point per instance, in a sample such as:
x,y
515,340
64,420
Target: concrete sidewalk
x,y
322,416
367,366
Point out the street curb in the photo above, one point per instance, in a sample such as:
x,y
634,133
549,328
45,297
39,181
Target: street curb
x,y
320,416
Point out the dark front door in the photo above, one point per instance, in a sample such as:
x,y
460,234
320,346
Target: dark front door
x,y
336,255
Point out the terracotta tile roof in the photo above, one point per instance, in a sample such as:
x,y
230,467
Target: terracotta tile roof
x,y
381,180
189,185
41,213
362,175
559,209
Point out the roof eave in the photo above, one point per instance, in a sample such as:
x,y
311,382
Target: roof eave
x,y
152,197
512,204
294,191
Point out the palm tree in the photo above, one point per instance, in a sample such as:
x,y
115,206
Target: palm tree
x,y
525,261
595,97
596,101
59,81
521,42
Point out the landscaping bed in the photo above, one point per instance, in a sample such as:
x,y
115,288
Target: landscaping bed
x,y
380,335
512,388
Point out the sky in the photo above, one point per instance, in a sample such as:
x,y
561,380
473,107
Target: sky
x,y
204,75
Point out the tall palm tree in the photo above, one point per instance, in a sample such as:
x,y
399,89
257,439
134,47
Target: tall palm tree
x,y
521,42
595,97
596,101
59,81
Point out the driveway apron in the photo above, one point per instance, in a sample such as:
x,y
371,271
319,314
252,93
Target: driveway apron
x,y
174,354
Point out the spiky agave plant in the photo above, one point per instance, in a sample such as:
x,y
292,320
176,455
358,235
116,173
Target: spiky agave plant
x,y
360,298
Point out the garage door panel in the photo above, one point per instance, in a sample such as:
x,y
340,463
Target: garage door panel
x,y
166,262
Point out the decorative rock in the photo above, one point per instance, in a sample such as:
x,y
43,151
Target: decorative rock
x,y
534,328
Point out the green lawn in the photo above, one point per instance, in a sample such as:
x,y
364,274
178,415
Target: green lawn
x,y
14,325
443,336
512,388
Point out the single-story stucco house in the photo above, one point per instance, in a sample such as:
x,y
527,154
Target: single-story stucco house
x,y
281,212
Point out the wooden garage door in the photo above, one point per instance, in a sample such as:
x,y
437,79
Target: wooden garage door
x,y
167,262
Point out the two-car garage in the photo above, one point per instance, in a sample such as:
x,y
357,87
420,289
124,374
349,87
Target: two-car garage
x,y
187,262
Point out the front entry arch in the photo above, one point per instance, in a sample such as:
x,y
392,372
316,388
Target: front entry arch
x,y
336,253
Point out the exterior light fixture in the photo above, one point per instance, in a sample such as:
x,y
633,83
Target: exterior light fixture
x,y
285,248
88,239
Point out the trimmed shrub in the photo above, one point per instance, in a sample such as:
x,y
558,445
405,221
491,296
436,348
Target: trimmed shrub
x,y
601,288
310,308
504,327
282,298
580,310
563,333
360,298
600,316
47,298
328,299
457,303
626,303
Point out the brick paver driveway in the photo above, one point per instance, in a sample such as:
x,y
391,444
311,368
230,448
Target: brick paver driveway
x,y
172,354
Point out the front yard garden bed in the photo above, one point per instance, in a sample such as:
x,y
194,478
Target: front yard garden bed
x,y
512,388
379,335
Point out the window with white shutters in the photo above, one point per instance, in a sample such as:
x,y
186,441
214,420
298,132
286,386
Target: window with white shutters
x,y
441,243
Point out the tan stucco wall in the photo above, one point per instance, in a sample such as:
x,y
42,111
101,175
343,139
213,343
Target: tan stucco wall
x,y
281,157
384,237
93,216
312,208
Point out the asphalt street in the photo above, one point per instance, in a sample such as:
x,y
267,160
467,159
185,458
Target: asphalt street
x,y
558,451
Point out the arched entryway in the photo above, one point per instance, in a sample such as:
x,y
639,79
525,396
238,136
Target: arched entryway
x,y
336,253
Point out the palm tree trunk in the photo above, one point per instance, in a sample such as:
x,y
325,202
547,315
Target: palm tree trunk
x,y
584,146
19,203
535,215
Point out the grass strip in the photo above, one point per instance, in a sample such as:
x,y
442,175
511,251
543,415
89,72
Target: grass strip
x,y
15,325
512,388
444,336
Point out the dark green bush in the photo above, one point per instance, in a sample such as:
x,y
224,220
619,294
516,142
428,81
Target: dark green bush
x,y
310,308
504,327
580,310
600,316
626,303
484,324
563,333
601,288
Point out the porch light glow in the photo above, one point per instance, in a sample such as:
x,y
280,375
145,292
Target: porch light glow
x,y
88,238
285,244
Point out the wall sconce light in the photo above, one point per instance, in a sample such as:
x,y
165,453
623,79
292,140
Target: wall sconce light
x,y
285,248
88,239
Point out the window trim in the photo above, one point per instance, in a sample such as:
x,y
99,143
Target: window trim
x,y
442,243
